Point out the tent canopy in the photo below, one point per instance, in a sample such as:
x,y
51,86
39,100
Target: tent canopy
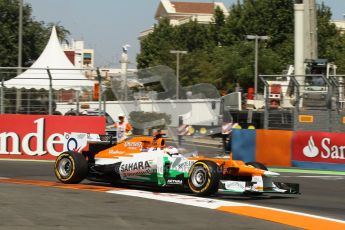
x,y
63,72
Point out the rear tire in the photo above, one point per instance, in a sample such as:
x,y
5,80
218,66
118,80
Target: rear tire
x,y
71,167
203,178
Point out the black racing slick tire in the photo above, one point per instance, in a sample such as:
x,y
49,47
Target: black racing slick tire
x,y
257,165
71,167
203,178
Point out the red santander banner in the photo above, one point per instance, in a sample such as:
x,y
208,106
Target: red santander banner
x,y
41,137
322,147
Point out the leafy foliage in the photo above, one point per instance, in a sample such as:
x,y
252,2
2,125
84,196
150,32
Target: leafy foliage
x,y
219,53
157,44
35,34
331,41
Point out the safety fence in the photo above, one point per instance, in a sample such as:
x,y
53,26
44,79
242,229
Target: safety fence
x,y
42,90
310,102
305,149
38,90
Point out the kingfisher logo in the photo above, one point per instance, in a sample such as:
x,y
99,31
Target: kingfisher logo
x,y
311,150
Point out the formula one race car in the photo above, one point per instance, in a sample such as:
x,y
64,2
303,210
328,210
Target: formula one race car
x,y
147,160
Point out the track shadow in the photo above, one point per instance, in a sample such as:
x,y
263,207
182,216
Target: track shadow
x,y
139,187
220,196
245,197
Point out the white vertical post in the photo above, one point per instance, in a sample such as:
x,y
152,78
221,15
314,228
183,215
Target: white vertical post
x,y
2,97
256,67
124,68
299,45
100,91
20,45
177,75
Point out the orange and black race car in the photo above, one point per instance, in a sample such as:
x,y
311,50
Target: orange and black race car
x,y
147,160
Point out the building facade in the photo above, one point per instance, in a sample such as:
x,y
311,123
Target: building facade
x,y
179,13
340,24
80,56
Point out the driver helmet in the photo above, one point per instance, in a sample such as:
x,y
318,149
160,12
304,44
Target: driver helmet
x,y
171,150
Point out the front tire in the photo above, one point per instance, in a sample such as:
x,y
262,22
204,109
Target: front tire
x,y
203,178
71,167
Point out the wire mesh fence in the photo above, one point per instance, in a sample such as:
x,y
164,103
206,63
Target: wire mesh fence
x,y
149,90
289,99
285,97
37,90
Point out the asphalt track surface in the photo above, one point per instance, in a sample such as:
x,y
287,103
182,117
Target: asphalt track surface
x,y
321,194
39,207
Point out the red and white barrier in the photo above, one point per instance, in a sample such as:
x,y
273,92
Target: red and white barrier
x,y
41,137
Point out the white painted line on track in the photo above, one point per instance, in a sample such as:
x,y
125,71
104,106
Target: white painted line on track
x,y
319,177
177,198
205,202
322,177
296,219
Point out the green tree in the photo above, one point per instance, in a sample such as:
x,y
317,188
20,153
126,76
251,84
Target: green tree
x,y
238,70
35,34
197,67
219,52
217,26
273,18
331,42
193,36
156,46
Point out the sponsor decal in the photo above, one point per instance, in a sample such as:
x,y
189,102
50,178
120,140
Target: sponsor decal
x,y
239,186
181,164
174,181
72,144
11,143
136,168
42,136
133,144
112,151
75,142
319,147
311,150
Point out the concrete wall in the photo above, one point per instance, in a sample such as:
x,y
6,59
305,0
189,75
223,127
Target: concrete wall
x,y
305,149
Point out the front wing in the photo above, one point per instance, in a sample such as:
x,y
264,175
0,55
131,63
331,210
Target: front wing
x,y
250,187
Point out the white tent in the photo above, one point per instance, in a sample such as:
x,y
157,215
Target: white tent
x,y
64,74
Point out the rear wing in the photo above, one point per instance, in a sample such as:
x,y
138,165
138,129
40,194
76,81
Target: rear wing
x,y
78,142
